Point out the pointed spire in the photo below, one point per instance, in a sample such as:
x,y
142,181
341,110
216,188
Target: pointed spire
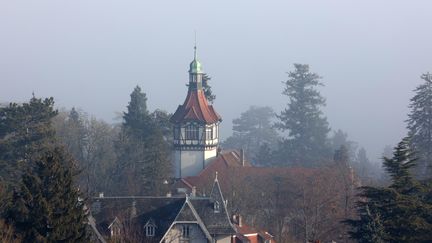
x,y
195,48
195,65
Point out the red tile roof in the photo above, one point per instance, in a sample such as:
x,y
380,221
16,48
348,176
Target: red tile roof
x,y
196,108
230,169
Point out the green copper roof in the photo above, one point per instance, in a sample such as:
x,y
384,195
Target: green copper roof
x,y
195,65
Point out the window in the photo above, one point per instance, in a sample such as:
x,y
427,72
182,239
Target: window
x,y
176,133
185,231
150,230
209,133
191,132
216,207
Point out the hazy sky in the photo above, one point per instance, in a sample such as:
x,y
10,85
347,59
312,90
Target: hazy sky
x,y
90,54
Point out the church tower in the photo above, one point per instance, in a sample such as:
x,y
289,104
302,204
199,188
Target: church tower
x,y
196,127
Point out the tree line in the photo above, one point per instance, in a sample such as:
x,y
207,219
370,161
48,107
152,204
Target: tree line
x,y
53,161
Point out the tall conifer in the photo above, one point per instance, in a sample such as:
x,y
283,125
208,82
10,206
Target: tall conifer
x,y
420,125
303,120
47,207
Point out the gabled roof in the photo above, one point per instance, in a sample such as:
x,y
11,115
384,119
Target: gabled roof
x,y
163,212
216,223
159,210
196,108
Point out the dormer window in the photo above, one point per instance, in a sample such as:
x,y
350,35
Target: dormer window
x,y
115,228
150,228
216,207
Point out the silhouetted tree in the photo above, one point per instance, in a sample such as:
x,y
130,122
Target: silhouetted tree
x,y
141,134
252,130
207,88
307,128
47,208
420,125
398,213
25,131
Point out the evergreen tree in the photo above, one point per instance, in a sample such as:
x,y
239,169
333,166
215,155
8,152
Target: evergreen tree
x,y
398,213
369,228
136,119
207,88
252,130
25,131
157,167
340,138
420,125
47,207
307,128
141,133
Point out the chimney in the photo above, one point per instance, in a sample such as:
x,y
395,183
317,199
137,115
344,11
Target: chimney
x,y
101,194
193,193
242,157
237,219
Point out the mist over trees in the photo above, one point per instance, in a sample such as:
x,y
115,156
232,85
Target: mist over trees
x,y
52,161
143,154
306,125
419,125
253,131
399,212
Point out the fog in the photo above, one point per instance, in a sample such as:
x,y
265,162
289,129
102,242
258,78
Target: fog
x,y
90,54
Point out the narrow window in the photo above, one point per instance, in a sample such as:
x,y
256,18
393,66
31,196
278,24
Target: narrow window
x,y
209,133
216,207
150,230
192,132
185,231
176,133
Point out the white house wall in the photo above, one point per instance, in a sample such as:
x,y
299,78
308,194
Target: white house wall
x,y
191,163
195,234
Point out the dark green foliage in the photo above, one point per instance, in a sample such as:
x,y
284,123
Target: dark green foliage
x,y
161,118
307,128
420,126
156,167
142,149
25,131
207,88
369,227
136,120
47,208
398,213
252,130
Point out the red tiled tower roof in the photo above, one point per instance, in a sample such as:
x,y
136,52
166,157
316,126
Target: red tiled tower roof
x,y
196,108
